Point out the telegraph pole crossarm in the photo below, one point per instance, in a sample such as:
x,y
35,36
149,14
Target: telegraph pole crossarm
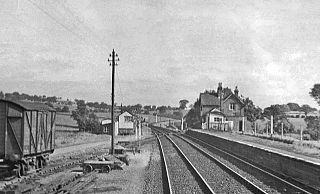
x,y
112,61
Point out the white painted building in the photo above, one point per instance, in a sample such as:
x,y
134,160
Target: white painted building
x,y
126,123
313,114
215,119
295,114
106,125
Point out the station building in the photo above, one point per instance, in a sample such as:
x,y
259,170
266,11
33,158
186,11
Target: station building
x,y
223,110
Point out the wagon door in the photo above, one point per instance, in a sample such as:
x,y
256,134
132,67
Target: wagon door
x,y
30,126
13,132
41,132
2,129
50,128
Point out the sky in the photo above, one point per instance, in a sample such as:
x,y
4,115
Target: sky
x,y
168,50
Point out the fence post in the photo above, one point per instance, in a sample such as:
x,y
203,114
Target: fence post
x,y
255,128
282,130
271,125
267,129
181,124
243,125
301,133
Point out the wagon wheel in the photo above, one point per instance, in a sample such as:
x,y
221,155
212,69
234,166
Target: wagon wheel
x,y
18,171
105,169
39,163
23,169
44,162
87,168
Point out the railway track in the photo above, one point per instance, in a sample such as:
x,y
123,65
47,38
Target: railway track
x,y
221,178
164,167
272,181
153,182
255,179
181,175
212,175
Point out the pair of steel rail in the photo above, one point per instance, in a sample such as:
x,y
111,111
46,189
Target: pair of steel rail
x,y
244,181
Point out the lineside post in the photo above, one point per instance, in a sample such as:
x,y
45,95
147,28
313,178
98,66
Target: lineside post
x,y
282,130
114,58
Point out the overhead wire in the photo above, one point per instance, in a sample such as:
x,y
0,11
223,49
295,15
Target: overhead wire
x,y
80,22
118,78
65,27
79,36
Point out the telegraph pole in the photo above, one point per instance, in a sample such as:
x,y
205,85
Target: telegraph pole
x,y
113,59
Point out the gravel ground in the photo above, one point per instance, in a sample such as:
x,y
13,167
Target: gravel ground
x,y
129,180
267,183
219,180
252,175
43,182
182,180
153,177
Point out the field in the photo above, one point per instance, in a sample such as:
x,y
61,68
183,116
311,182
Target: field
x,y
65,120
68,138
103,114
67,132
297,123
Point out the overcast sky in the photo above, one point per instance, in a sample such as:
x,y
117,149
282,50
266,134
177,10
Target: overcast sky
x,y
169,50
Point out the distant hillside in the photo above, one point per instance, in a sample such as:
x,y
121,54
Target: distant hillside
x,y
297,122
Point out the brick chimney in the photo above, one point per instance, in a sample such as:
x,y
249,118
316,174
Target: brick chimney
x,y
236,91
219,90
220,94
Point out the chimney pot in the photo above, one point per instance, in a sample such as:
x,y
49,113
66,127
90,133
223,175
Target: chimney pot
x,y
236,91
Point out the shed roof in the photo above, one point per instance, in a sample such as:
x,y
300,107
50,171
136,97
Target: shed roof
x,y
216,112
36,106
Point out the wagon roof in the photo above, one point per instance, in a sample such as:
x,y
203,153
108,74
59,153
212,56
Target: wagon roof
x,y
36,106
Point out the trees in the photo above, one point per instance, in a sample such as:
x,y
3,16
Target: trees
x,y
147,107
315,93
279,116
86,122
313,124
23,96
276,110
162,109
307,109
251,111
193,117
313,127
293,106
65,109
137,108
1,95
51,99
183,104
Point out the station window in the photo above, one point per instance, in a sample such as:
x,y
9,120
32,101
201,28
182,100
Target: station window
x,y
217,119
127,118
232,106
